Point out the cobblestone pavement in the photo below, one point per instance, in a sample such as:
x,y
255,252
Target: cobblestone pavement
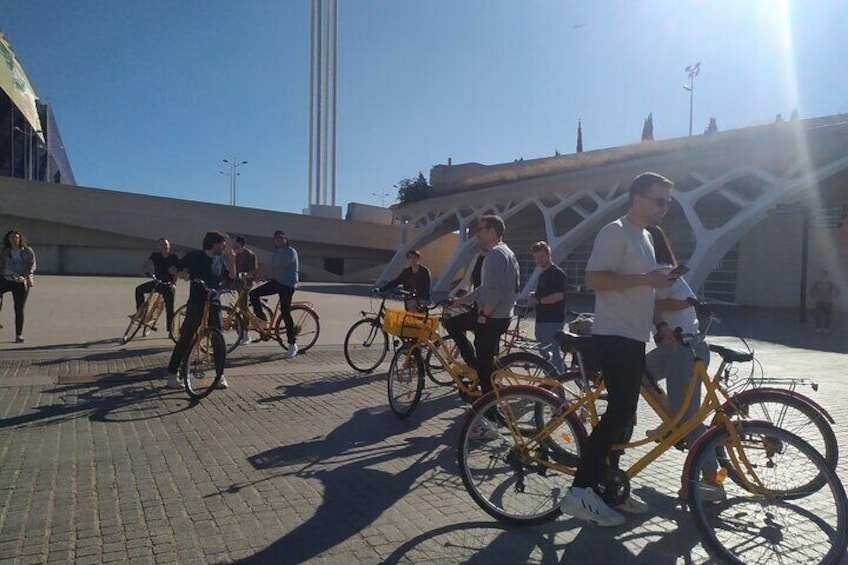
x,y
297,461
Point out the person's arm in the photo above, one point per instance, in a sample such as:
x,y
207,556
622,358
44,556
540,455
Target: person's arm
x,y
395,282
607,280
426,291
147,266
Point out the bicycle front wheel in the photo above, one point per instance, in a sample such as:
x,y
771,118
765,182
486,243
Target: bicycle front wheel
x,y
306,328
177,323
135,324
761,525
203,365
232,328
406,380
366,345
436,370
508,480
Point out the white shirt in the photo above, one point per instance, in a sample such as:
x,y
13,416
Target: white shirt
x,y
624,249
686,319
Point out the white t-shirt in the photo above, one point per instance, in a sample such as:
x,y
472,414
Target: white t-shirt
x,y
624,249
686,319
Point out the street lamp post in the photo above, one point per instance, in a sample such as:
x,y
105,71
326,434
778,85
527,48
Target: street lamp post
x,y
232,174
382,194
691,71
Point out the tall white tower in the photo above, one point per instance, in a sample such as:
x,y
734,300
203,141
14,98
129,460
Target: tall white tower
x,y
322,106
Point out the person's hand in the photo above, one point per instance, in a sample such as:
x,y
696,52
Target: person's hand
x,y
658,278
532,300
30,281
458,301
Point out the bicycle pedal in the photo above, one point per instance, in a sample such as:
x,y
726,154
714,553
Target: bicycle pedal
x,y
154,329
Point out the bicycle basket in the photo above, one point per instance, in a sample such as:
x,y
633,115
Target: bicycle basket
x,y
408,324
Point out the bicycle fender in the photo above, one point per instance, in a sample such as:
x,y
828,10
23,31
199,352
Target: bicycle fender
x,y
728,406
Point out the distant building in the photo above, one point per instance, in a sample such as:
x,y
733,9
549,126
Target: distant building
x,y
30,144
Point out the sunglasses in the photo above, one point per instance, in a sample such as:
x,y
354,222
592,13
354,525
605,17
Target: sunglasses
x,y
661,202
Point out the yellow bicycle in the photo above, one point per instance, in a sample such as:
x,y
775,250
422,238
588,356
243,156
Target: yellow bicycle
x,y
147,314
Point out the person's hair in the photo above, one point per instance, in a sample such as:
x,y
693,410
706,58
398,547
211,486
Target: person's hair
x,y
212,238
241,241
493,221
540,246
413,252
662,247
643,183
7,239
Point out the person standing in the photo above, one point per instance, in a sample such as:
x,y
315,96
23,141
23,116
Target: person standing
x,y
549,301
495,297
416,278
159,263
246,263
824,292
622,270
200,264
284,277
17,265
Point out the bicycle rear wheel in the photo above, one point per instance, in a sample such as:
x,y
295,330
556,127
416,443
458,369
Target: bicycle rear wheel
x,y
135,323
741,526
366,345
406,380
505,479
306,328
203,365
791,412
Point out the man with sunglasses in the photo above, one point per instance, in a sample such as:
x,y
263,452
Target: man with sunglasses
x,y
495,297
623,272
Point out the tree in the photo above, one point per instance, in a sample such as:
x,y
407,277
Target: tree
x,y
412,190
712,127
648,128
579,137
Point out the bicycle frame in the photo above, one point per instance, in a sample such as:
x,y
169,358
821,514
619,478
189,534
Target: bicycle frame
x,y
266,328
673,427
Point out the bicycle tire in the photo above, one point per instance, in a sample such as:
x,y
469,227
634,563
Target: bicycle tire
x,y
366,345
723,524
501,477
521,363
405,380
792,413
207,353
177,322
134,325
232,328
436,371
307,326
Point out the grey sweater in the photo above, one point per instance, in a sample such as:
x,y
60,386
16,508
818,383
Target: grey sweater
x,y
499,282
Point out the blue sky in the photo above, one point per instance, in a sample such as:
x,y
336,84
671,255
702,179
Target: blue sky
x,y
150,96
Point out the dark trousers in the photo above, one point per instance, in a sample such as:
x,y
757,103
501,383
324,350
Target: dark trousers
x,y
20,292
487,338
622,361
823,311
285,293
193,317
167,292
456,326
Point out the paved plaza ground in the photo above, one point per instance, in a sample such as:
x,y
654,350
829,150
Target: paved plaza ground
x,y
299,460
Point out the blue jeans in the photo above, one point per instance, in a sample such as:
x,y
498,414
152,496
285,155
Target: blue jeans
x,y
545,332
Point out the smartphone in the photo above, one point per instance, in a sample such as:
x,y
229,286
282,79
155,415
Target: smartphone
x,y
678,271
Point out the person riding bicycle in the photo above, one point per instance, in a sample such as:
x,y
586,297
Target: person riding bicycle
x,y
159,262
200,265
495,298
623,272
415,278
549,301
284,276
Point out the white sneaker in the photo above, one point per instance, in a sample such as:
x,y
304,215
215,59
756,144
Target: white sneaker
x,y
633,505
245,340
483,433
291,351
174,381
222,384
589,506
